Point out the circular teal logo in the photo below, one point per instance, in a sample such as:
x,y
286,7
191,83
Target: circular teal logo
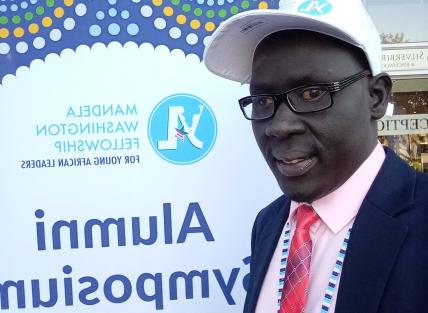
x,y
182,129
315,7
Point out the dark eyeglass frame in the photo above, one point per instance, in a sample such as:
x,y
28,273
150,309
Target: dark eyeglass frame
x,y
332,88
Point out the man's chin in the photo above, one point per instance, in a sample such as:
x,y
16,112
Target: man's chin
x,y
300,198
299,194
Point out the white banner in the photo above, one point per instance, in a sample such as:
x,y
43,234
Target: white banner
x,y
126,188
129,178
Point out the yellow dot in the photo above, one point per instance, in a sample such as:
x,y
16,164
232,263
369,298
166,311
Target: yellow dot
x,y
168,11
33,28
46,21
181,19
157,2
263,5
59,12
68,3
195,24
4,33
209,26
18,32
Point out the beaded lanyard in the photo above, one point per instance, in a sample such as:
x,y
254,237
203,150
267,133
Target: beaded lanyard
x,y
337,269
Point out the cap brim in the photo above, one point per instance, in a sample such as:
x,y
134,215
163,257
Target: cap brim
x,y
230,52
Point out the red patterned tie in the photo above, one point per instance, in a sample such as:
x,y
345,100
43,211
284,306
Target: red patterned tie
x,y
298,264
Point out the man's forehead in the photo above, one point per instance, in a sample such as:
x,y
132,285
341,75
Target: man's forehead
x,y
279,65
299,39
312,51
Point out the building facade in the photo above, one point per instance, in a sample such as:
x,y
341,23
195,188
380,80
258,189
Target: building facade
x,y
403,27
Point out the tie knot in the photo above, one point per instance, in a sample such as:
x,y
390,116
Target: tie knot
x,y
306,216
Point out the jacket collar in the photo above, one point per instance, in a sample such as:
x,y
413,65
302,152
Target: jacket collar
x,y
376,238
375,242
269,235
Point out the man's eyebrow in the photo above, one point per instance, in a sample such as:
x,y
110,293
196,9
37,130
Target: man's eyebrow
x,y
259,88
267,87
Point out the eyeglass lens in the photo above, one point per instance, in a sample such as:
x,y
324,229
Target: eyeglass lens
x,y
302,100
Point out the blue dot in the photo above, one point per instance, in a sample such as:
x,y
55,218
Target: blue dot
x,y
39,213
112,12
159,23
175,32
95,30
67,269
24,5
14,7
114,29
55,34
3,8
132,29
124,14
112,2
39,43
4,48
69,23
192,39
81,9
100,15
146,11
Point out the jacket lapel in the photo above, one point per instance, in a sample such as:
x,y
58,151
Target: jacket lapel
x,y
376,238
269,236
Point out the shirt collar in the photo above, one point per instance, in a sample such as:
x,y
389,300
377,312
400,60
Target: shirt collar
x,y
339,207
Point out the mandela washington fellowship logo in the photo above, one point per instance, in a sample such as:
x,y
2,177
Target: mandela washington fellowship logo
x,y
316,8
182,129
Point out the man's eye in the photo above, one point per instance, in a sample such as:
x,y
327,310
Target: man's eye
x,y
264,102
312,94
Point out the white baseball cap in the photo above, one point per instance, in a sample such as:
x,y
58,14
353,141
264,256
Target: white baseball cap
x,y
230,52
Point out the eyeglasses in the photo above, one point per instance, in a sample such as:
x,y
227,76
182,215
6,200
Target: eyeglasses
x,y
303,99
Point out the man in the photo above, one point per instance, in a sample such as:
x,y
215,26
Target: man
x,y
356,215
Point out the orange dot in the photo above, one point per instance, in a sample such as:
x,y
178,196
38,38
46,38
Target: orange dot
x,y
46,21
4,33
195,24
157,2
33,28
209,26
181,19
168,11
68,3
59,12
263,5
18,32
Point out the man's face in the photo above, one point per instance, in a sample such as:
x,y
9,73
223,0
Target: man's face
x,y
312,154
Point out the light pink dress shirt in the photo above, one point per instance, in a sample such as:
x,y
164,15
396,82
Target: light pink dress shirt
x,y
337,211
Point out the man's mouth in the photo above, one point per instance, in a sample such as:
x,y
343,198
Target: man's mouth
x,y
296,166
295,161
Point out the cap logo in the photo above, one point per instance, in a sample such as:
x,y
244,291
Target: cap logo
x,y
315,7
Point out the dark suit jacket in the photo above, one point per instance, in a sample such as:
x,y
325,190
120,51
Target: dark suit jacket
x,y
386,264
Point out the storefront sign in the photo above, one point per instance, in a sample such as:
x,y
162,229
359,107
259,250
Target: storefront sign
x,y
401,57
403,125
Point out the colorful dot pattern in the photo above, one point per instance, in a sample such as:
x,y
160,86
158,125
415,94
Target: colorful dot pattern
x,y
32,29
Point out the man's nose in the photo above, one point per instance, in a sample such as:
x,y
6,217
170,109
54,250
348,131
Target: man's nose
x,y
285,122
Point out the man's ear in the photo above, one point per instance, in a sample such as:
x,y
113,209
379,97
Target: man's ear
x,y
380,90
